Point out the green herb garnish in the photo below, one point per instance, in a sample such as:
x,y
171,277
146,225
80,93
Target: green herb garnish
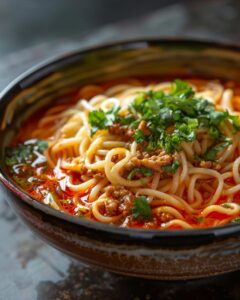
x,y
141,209
172,168
171,118
66,201
211,153
226,205
139,136
102,120
21,181
143,171
200,219
24,153
236,220
22,157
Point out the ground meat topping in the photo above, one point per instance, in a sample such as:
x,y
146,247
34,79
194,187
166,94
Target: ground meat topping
x,y
125,133
116,192
126,206
122,196
111,207
116,129
152,161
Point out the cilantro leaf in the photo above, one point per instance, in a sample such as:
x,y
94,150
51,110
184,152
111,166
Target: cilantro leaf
x,y
99,119
127,120
171,118
217,117
172,168
141,209
181,88
214,132
236,122
200,219
211,153
236,220
139,136
226,205
143,171
24,153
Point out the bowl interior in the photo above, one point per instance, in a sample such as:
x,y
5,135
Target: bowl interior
x,y
141,58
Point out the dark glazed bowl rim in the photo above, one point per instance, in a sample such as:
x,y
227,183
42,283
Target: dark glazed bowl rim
x,y
138,235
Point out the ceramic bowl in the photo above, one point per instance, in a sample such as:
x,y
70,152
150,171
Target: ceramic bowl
x,y
155,254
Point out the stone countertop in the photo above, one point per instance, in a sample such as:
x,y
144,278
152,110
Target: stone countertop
x,y
29,268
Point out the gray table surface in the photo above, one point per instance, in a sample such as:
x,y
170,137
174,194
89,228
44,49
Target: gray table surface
x,y
29,268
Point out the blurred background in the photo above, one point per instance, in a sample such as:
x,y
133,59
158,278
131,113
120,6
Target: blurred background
x,y
30,32
52,27
30,22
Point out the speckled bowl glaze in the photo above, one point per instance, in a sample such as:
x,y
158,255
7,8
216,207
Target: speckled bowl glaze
x,y
171,255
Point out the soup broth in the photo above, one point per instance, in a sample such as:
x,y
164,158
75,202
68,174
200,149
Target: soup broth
x,y
141,153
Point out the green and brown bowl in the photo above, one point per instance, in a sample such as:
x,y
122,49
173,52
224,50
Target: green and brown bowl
x,y
156,254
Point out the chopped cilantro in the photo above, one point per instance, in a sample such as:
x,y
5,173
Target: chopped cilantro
x,y
143,182
235,121
143,171
236,220
172,168
82,211
24,153
226,205
20,159
217,117
21,181
214,132
200,219
211,153
99,119
139,136
141,209
66,201
39,145
171,118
